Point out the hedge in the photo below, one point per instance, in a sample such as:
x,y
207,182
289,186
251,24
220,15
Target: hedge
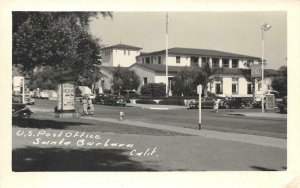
x,y
142,101
179,102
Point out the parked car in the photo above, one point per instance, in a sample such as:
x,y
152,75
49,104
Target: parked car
x,y
44,94
114,100
20,110
283,105
99,99
257,104
28,99
93,97
236,103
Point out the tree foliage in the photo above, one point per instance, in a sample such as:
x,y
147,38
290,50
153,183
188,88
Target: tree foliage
x,y
60,40
124,79
279,83
154,89
186,81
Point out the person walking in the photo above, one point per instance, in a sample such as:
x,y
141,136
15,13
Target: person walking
x,y
90,107
84,106
216,105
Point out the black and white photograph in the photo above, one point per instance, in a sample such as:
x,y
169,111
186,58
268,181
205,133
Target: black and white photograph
x,y
149,91
115,92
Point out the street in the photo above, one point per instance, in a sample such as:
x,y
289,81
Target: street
x,y
47,143
187,118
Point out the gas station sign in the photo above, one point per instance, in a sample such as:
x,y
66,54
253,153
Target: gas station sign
x,y
256,71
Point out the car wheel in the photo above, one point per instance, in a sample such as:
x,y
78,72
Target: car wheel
x,y
25,115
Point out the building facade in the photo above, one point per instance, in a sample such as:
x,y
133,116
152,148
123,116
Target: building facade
x,y
228,81
119,55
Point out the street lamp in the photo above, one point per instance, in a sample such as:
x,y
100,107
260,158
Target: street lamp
x,y
264,27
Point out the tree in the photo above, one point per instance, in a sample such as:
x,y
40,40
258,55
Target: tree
x,y
154,89
124,79
186,81
59,40
279,83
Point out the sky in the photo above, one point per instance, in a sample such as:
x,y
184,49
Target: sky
x,y
235,32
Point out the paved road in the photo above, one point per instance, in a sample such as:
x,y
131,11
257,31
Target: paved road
x,y
189,119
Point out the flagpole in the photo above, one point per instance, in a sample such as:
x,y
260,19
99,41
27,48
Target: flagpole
x,y
166,61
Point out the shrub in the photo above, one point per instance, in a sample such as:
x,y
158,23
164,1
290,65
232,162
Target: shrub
x,y
179,102
143,101
154,89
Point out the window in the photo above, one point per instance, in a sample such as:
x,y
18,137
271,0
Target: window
x,y
124,52
218,85
128,52
177,59
151,60
147,60
234,86
225,63
159,60
218,88
204,61
145,80
235,63
195,61
143,60
249,88
215,62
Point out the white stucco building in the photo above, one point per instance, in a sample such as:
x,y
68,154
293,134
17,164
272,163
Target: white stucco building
x,y
120,54
113,56
229,80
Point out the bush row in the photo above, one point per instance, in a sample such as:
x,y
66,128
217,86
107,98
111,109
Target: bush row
x,y
179,102
143,101
161,102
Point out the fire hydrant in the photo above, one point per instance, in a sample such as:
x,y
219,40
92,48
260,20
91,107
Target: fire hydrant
x,y
121,115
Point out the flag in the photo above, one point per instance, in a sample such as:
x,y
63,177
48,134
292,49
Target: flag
x,y
265,27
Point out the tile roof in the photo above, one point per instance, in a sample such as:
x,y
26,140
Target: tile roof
x,y
174,69
200,52
122,46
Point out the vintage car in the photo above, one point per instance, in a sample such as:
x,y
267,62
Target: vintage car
x,y
283,105
27,99
20,110
114,100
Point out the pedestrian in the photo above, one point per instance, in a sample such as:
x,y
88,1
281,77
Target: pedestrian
x,y
84,106
90,107
216,105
